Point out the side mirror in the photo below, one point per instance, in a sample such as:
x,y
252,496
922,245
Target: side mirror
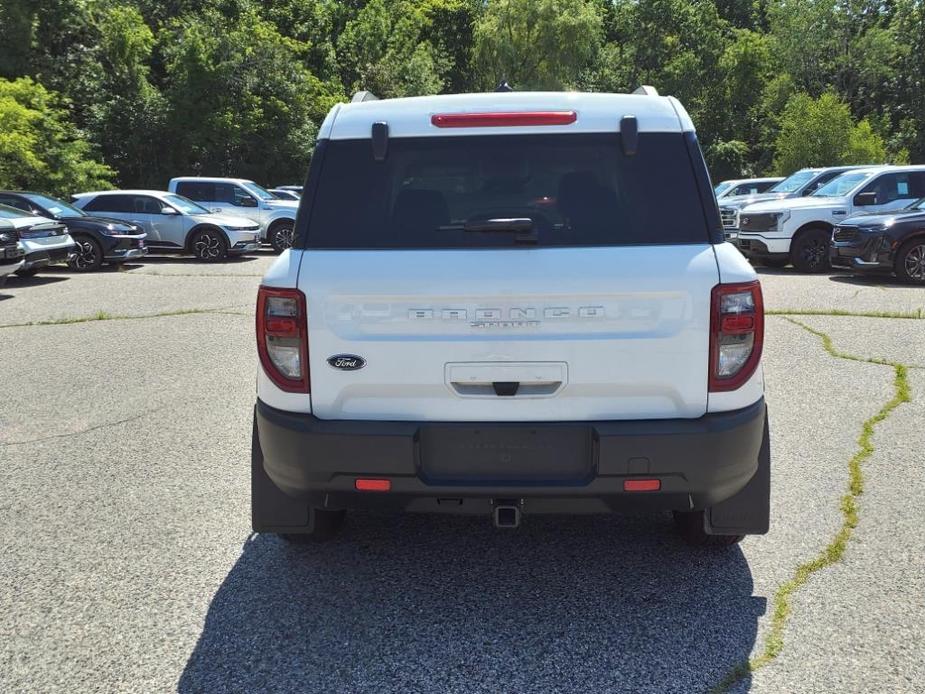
x,y
248,202
168,210
865,199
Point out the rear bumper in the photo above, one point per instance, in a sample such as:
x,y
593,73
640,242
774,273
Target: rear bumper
x,y
699,462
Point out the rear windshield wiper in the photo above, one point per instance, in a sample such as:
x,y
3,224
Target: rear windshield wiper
x,y
523,227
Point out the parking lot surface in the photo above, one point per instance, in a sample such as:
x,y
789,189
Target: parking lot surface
x,y
128,562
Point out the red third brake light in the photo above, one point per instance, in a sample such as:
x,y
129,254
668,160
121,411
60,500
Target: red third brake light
x,y
736,334
282,338
503,119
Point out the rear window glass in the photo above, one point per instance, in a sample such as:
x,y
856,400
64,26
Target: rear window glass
x,y
576,190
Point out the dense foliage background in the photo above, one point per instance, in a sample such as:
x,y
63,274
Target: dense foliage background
x,y
99,92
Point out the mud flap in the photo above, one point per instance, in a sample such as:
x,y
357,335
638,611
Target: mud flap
x,y
272,511
749,511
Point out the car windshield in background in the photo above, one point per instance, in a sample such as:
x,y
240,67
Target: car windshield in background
x,y
722,188
259,192
917,205
13,213
56,207
841,185
489,191
793,182
185,205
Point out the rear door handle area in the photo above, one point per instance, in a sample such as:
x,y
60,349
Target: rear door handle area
x,y
506,379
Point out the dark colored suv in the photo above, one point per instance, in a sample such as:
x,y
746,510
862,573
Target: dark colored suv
x,y
893,242
98,239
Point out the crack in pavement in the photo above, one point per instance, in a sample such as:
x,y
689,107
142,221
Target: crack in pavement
x,y
104,316
835,550
80,432
917,314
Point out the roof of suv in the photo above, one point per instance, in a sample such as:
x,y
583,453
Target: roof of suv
x,y
595,112
224,179
122,192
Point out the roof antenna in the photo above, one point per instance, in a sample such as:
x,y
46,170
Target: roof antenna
x,y
503,86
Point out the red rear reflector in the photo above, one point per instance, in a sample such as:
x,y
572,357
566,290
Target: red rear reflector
x,y
367,485
641,485
285,326
494,120
732,324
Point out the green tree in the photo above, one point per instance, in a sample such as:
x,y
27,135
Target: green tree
x,y
821,132
745,67
384,49
909,25
39,148
241,100
537,44
676,46
129,123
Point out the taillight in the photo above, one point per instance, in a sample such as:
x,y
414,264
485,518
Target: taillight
x,y
736,334
503,119
282,338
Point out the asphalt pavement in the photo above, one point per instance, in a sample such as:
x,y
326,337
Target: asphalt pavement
x,y
128,562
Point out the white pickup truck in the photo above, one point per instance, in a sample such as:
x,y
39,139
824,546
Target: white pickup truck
x,y
488,309
242,198
799,230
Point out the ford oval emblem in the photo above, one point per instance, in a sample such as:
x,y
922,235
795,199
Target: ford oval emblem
x,y
347,362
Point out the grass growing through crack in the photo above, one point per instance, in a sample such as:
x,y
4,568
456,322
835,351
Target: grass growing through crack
x,y
917,314
103,315
834,551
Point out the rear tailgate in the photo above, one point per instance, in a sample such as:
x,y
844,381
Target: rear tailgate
x,y
587,334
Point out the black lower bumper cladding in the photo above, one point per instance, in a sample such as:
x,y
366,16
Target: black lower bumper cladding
x,y
550,467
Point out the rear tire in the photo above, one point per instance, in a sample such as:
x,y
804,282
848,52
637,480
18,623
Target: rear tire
x,y
281,235
910,261
209,245
809,251
690,526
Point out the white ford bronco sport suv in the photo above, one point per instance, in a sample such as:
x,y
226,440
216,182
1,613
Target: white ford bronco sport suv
x,y
487,310
242,198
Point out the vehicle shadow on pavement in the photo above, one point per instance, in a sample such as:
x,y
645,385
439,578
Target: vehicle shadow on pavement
x,y
35,281
871,280
417,603
175,259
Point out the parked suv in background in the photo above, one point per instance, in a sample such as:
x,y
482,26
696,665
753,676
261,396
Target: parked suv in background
x,y
891,242
486,311
11,252
799,230
797,185
175,224
45,241
285,194
744,186
243,198
97,239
